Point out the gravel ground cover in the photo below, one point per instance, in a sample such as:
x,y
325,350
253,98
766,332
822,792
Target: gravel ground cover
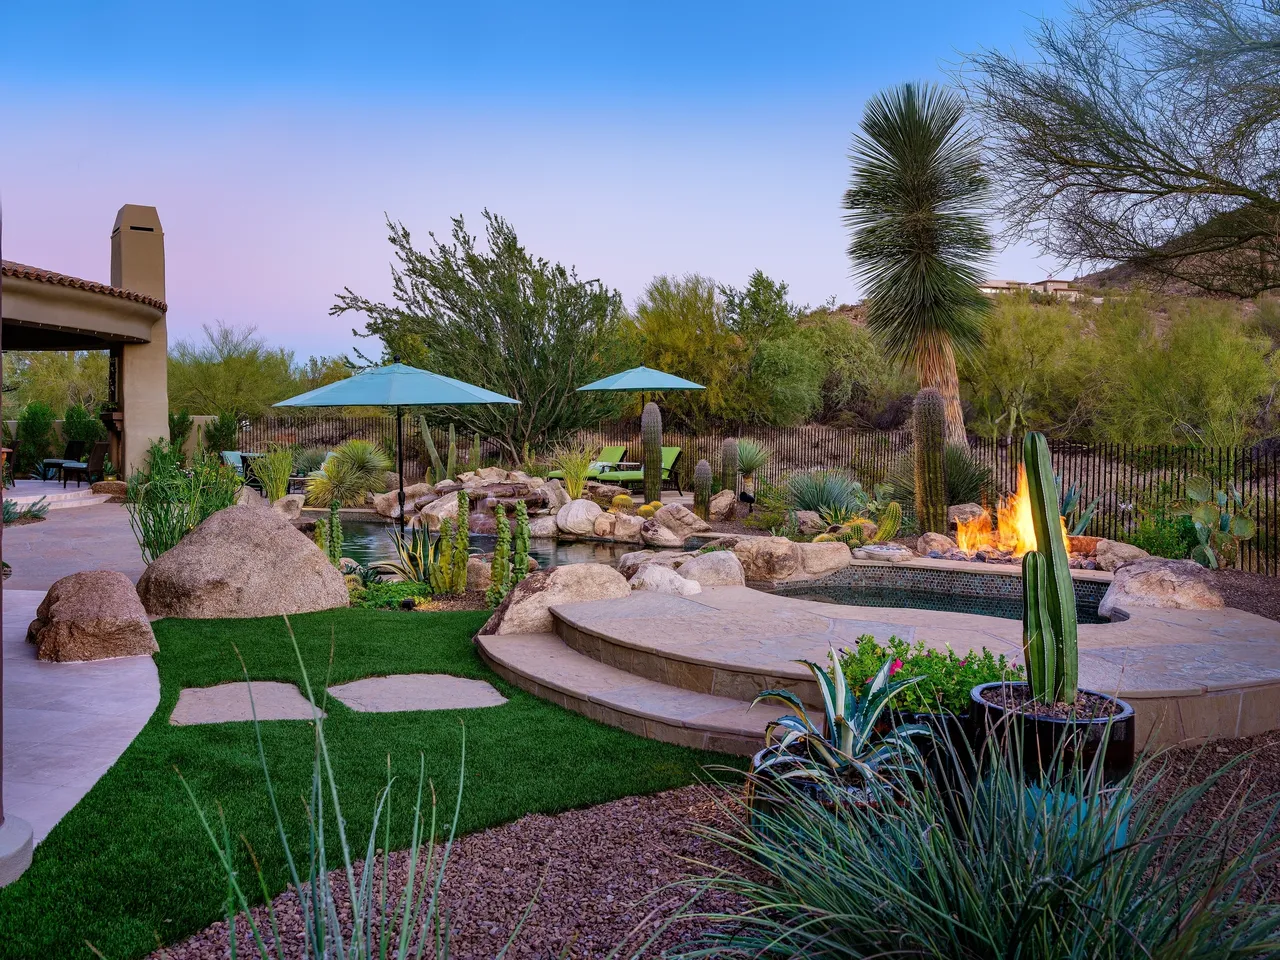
x,y
1252,592
130,868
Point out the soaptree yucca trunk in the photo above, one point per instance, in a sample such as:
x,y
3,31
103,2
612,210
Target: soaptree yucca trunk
x,y
915,207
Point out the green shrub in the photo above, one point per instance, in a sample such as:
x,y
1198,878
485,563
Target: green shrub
x,y
945,678
356,469
387,596
180,427
222,433
35,436
1165,536
166,503
79,424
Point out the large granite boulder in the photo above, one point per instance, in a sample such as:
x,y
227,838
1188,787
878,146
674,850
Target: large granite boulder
x,y
388,504
724,506
681,521
657,578
1179,584
768,558
1112,554
719,568
655,534
242,562
557,496
578,518
91,616
527,608
820,559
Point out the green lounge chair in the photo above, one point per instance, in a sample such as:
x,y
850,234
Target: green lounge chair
x,y
623,477
609,457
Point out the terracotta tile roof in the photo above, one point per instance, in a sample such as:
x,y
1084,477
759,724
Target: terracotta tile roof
x,y
10,269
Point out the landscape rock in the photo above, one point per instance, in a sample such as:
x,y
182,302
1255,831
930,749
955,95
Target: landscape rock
x,y
479,574
91,615
110,488
246,496
809,522
544,528
423,500
767,558
931,542
604,525
388,504
886,552
681,521
656,535
724,506
820,559
289,506
578,517
719,568
1153,582
964,513
527,608
446,508
1112,554
661,579
557,495
627,527
242,562
491,473
603,493
629,563
393,480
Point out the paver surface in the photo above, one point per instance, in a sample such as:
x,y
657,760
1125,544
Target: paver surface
x,y
416,691
68,541
240,701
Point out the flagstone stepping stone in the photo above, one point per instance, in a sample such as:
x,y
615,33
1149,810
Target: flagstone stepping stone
x,y
416,691
229,702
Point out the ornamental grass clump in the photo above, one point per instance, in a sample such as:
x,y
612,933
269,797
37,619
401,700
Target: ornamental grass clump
x,y
953,871
273,470
574,461
165,503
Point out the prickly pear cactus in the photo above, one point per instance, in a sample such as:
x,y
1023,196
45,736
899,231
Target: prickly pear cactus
x,y
729,464
702,490
651,435
929,426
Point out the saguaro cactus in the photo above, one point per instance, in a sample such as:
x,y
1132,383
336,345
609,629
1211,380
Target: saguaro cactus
x,y
475,452
702,490
929,425
729,464
651,435
1048,597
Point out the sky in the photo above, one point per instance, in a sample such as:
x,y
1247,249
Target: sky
x,y
624,139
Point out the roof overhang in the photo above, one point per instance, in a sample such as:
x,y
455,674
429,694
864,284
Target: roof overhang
x,y
39,315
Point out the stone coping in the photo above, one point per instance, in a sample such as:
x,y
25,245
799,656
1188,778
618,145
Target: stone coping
x,y
973,566
1190,674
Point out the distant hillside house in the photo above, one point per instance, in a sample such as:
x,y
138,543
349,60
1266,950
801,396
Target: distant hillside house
x,y
1057,288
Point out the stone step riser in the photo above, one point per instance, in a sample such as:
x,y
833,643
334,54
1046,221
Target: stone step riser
x,y
742,685
61,503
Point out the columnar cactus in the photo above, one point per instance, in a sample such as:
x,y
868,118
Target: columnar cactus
x,y
461,540
451,465
702,490
442,569
889,522
437,468
1048,597
475,452
333,533
729,464
651,436
520,560
500,566
929,426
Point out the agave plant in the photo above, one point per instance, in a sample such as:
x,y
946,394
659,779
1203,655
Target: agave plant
x,y
752,457
415,555
835,497
851,744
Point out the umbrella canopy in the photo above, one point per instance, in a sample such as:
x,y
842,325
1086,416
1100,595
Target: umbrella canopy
x,y
643,380
395,385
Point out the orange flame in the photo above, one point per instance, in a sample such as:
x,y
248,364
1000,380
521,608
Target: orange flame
x,y
1014,532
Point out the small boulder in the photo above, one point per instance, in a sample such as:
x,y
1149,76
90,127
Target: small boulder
x,y
242,562
603,493
884,552
388,504
110,488
719,568
492,473
723,506
446,508
627,529
479,574
964,513
578,518
768,558
681,521
1178,584
91,615
629,563
809,522
544,528
655,534
289,506
604,525
557,496
931,542
527,608
660,579
820,559
1112,554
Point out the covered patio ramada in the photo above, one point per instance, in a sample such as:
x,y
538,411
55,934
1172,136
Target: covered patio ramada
x,y
45,310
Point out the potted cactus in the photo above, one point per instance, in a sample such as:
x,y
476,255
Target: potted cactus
x,y
1049,712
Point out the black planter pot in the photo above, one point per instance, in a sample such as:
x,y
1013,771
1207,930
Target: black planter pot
x,y
1113,737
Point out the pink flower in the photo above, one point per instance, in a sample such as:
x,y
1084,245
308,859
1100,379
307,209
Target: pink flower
x,y
963,662
895,667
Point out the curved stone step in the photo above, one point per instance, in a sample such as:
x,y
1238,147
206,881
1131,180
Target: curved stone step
x,y
544,665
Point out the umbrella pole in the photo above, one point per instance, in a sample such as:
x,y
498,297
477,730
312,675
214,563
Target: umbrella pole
x,y
400,461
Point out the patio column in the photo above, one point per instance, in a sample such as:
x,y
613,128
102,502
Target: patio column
x,y
137,264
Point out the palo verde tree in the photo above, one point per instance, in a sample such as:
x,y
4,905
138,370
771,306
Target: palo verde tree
x,y
504,320
1144,132
914,206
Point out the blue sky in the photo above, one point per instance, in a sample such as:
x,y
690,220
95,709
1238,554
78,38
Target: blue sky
x,y
626,139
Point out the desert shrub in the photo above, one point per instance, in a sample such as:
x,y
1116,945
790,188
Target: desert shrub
x,y
1165,536
308,460
222,433
165,503
273,470
180,427
968,479
35,435
387,596
356,469
79,424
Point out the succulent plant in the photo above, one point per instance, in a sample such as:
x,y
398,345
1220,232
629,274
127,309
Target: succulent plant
x,y
888,524
500,566
461,540
702,490
645,512
440,571
520,559
1221,521
929,428
475,453
651,435
729,464
622,504
437,468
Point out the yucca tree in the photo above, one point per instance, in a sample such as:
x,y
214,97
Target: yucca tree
x,y
919,244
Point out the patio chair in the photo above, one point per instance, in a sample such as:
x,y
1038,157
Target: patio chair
x,y
239,461
86,471
609,458
71,453
626,477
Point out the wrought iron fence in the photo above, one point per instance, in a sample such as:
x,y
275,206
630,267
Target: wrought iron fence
x,y
1129,482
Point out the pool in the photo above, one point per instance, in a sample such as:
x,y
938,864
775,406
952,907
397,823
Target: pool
x,y
368,541
956,591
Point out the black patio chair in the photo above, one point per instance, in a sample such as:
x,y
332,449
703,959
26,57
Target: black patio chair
x,y
86,471
72,453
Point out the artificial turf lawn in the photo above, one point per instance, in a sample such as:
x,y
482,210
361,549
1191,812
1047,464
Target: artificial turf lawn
x,y
130,867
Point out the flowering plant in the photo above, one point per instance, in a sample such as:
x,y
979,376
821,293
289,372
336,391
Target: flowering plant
x,y
943,679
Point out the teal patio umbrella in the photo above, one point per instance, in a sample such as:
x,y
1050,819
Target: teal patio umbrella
x,y
643,380
396,385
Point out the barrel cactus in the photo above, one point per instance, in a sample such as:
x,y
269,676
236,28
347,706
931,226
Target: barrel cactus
x,y
929,426
702,490
651,435
622,503
1048,595
645,512
729,464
